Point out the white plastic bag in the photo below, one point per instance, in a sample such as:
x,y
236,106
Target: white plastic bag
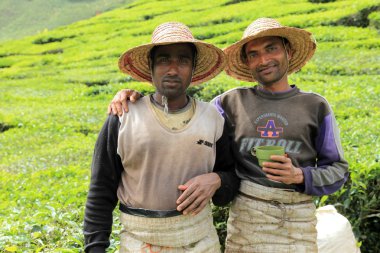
x,y
334,232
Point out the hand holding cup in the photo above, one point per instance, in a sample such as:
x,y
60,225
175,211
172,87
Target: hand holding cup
x,y
263,153
279,170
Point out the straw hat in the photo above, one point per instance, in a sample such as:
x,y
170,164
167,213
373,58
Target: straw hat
x,y
301,41
210,60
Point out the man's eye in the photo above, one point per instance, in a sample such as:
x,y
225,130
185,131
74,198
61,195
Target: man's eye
x,y
163,60
271,49
252,55
184,60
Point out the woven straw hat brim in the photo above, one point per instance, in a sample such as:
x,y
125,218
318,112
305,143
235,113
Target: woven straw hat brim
x,y
211,60
302,45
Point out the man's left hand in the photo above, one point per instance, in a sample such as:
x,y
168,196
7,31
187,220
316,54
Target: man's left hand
x,y
283,170
197,192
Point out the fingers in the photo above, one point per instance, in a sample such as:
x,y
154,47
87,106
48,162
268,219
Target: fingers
x,y
195,208
275,178
122,100
186,191
197,192
280,158
186,197
119,103
280,162
281,170
193,203
182,187
134,96
184,205
276,172
276,168
124,105
114,107
279,175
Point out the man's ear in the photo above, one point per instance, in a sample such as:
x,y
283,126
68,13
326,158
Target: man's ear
x,y
289,52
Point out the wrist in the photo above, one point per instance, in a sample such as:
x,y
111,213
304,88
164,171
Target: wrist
x,y
218,180
299,178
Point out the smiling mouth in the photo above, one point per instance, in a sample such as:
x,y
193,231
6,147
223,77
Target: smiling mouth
x,y
266,70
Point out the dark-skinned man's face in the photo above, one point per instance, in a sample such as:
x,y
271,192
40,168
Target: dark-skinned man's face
x,y
172,69
267,58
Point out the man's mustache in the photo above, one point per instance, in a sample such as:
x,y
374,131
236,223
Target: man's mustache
x,y
172,79
264,67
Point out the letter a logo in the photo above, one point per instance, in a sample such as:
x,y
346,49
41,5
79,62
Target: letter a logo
x,y
270,130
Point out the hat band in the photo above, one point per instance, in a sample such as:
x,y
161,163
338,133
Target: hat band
x,y
136,70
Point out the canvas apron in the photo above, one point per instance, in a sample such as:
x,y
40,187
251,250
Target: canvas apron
x,y
266,220
182,233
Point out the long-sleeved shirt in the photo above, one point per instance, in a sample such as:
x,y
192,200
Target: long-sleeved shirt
x,y
140,163
301,122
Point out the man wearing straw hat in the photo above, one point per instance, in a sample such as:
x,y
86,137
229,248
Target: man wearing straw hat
x,y
273,211
165,158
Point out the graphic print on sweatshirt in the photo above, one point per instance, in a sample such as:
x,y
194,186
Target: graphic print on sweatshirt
x,y
271,129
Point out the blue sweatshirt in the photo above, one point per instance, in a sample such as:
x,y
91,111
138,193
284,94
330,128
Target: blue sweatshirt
x,y
301,122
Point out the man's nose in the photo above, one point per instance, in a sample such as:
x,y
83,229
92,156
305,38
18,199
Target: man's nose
x,y
263,58
173,67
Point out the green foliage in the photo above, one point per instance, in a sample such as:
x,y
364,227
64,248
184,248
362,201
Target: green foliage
x,y
321,1
359,19
220,215
50,39
374,18
55,87
26,17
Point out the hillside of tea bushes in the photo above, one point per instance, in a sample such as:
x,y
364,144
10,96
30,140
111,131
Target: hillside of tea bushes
x,y
55,87
27,17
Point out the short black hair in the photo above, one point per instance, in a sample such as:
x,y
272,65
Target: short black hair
x,y
243,55
193,48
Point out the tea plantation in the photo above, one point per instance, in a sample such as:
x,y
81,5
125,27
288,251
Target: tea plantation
x,y
55,87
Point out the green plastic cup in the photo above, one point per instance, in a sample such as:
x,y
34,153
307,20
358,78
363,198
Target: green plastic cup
x,y
263,153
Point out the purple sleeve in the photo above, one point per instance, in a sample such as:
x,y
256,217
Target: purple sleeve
x,y
332,169
218,104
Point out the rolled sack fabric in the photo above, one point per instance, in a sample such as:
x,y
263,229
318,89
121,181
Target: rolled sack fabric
x,y
334,232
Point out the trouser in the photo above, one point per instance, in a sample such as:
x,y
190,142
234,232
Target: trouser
x,y
270,220
183,233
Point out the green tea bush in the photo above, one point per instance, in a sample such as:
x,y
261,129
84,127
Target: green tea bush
x,y
220,215
374,18
234,2
50,39
359,19
4,127
321,1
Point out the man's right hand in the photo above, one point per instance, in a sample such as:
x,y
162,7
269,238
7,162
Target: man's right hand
x,y
120,103
197,192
